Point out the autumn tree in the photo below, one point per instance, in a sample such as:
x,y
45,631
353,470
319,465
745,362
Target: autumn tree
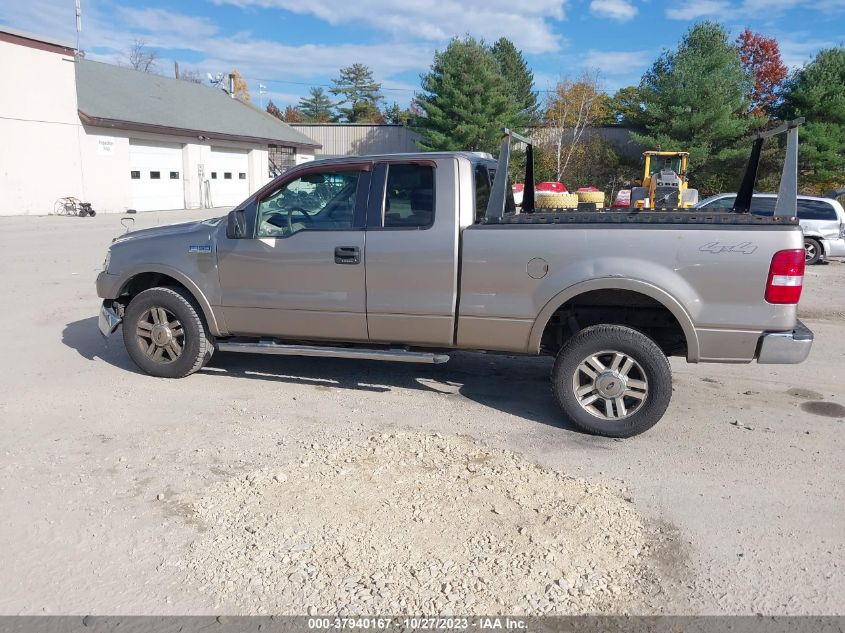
x,y
293,115
241,88
142,58
571,108
317,106
817,92
760,57
519,83
360,94
464,100
273,109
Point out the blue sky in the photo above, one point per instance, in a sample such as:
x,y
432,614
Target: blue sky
x,y
288,45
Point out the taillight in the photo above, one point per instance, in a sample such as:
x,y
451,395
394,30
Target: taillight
x,y
786,277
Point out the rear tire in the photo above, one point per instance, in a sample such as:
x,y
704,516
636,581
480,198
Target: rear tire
x,y
164,333
612,380
812,251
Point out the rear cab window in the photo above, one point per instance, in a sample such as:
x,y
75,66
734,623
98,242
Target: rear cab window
x,y
408,196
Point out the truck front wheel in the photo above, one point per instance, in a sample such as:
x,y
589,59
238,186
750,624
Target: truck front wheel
x,y
164,333
612,380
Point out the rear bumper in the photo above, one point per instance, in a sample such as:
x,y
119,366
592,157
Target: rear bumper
x,y
785,348
109,318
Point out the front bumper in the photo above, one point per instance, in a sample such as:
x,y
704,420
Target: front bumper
x,y
785,348
109,318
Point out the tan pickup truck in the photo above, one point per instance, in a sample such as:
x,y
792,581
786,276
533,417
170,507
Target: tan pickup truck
x,y
405,257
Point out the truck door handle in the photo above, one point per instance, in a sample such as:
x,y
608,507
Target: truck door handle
x,y
347,255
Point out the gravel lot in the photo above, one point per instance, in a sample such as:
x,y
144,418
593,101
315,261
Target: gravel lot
x,y
125,494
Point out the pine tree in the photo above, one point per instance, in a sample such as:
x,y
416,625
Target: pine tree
x,y
696,99
360,94
317,106
519,81
465,101
817,92
395,115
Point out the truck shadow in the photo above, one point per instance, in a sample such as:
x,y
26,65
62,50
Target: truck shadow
x,y
516,385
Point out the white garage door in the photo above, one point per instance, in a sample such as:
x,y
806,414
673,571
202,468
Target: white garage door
x,y
156,176
228,176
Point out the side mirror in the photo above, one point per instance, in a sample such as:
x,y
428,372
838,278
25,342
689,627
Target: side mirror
x,y
236,225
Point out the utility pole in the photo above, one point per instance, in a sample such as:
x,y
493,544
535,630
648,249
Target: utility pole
x,y
262,90
78,24
176,69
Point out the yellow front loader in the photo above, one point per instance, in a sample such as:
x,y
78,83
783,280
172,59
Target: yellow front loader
x,y
664,184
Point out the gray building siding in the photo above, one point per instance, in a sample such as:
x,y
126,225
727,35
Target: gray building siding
x,y
351,139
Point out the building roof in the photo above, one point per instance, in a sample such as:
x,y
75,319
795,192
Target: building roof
x,y
24,38
123,98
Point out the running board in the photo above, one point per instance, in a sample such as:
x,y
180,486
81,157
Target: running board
x,y
397,355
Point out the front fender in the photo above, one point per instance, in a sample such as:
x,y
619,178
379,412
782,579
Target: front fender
x,y
616,283
112,286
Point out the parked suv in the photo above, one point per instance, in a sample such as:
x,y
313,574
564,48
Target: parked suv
x,y
821,219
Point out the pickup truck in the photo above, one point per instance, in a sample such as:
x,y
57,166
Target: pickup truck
x,y
405,257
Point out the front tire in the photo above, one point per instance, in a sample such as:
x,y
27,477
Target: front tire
x,y
164,333
612,380
812,251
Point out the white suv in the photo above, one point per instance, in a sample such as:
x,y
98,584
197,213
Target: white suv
x,y
822,220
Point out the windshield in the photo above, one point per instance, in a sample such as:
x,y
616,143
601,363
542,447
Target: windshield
x,y
663,163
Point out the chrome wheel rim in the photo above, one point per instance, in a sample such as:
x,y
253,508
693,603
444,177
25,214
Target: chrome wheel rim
x,y
160,335
610,385
809,250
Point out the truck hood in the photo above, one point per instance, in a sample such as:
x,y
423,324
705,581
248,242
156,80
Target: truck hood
x,y
182,228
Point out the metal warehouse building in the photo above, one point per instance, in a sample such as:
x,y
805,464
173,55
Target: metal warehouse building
x,y
123,139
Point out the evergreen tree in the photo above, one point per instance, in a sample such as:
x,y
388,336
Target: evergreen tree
x,y
465,101
626,107
317,106
360,94
273,109
519,81
395,115
696,99
817,92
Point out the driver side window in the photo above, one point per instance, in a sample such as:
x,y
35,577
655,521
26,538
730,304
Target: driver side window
x,y
313,202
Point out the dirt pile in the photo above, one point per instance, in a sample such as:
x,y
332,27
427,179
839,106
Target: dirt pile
x,y
419,524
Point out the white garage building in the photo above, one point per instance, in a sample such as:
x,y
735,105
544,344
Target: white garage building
x,y
122,139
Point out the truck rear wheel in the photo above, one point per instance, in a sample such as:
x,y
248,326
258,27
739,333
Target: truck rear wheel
x,y
164,333
612,380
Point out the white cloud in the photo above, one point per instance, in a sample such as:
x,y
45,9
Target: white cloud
x,y
527,23
701,9
796,53
616,63
618,10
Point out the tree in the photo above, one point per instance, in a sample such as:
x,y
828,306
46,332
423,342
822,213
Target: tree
x,y
360,94
626,107
317,106
696,99
142,58
760,57
464,100
817,92
395,115
293,115
573,107
241,87
191,76
273,109
519,81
